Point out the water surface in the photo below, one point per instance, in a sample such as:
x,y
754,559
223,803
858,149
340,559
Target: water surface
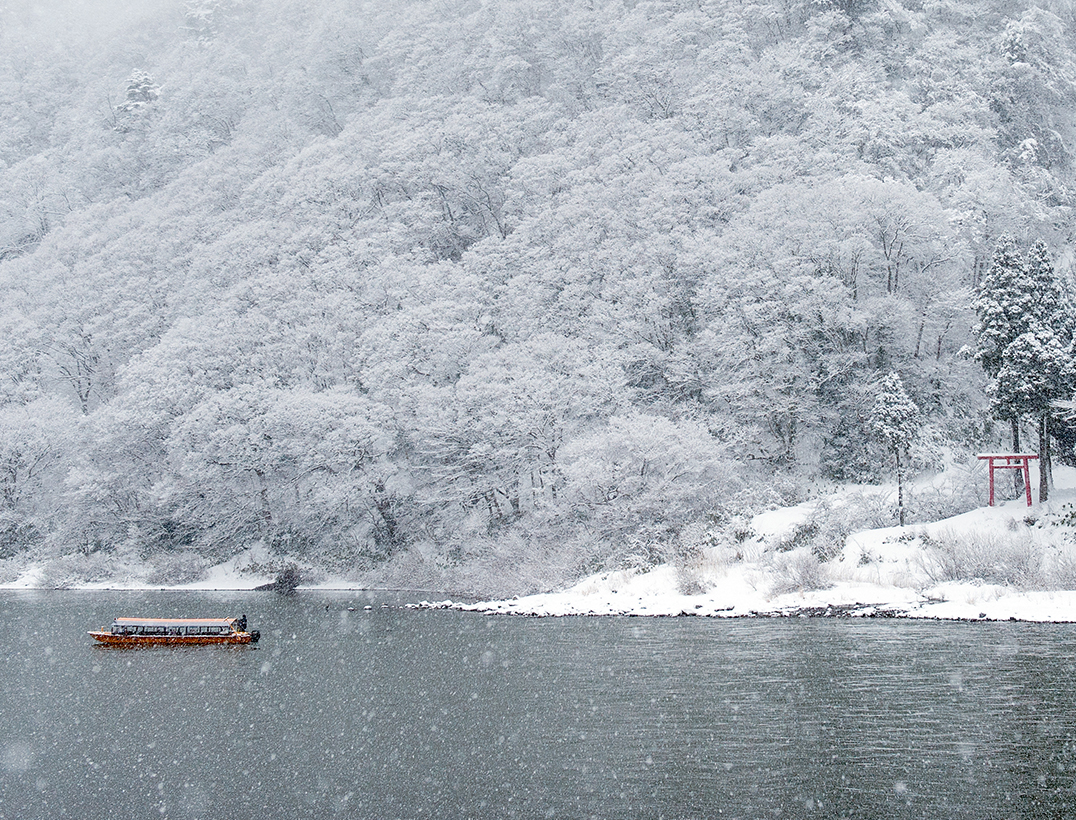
x,y
395,713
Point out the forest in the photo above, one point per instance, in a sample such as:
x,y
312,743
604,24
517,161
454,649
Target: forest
x,y
493,293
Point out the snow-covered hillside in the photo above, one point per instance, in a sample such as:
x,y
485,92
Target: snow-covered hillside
x,y
492,294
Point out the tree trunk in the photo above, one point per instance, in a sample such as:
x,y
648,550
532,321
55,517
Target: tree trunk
x,y
1049,452
900,490
264,513
1018,475
1045,467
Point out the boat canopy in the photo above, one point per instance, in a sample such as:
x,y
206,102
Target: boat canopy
x,y
227,622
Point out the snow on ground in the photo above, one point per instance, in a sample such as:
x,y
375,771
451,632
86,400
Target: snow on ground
x,y
244,571
882,572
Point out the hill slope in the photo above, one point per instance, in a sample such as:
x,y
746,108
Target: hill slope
x,y
495,293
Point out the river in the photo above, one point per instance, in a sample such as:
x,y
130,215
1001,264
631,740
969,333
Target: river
x,y
388,712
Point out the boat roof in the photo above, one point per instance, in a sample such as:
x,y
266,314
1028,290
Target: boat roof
x,y
175,621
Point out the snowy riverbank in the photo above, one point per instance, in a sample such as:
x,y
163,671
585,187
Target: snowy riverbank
x,y
1000,563
1020,564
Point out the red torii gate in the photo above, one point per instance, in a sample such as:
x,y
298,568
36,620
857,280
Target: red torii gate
x,y
1009,461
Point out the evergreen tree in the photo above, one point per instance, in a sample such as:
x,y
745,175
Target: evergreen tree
x,y
1054,318
1004,305
1036,371
1023,299
1024,339
1051,303
142,92
895,421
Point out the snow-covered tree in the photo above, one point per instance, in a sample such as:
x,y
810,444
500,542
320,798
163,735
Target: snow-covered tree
x,y
141,93
643,478
895,420
1036,371
1054,315
1024,339
33,440
1004,305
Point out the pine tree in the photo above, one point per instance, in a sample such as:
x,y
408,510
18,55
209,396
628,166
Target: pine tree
x,y
1004,305
1052,326
1024,340
895,421
1051,303
142,92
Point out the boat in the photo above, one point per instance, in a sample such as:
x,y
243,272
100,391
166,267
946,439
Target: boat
x,y
134,632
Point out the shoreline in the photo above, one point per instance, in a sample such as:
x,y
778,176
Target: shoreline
x,y
1004,563
1006,605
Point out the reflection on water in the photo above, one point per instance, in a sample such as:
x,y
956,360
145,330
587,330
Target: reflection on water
x,y
395,713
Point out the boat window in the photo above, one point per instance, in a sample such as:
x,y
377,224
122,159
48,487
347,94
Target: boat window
x,y
177,629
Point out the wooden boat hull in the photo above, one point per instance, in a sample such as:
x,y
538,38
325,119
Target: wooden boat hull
x,y
135,641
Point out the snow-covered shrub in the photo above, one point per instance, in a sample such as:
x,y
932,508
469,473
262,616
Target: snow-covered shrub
x,y
1060,567
827,529
1012,559
799,571
689,559
1065,517
958,490
801,535
173,569
78,568
762,491
740,530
